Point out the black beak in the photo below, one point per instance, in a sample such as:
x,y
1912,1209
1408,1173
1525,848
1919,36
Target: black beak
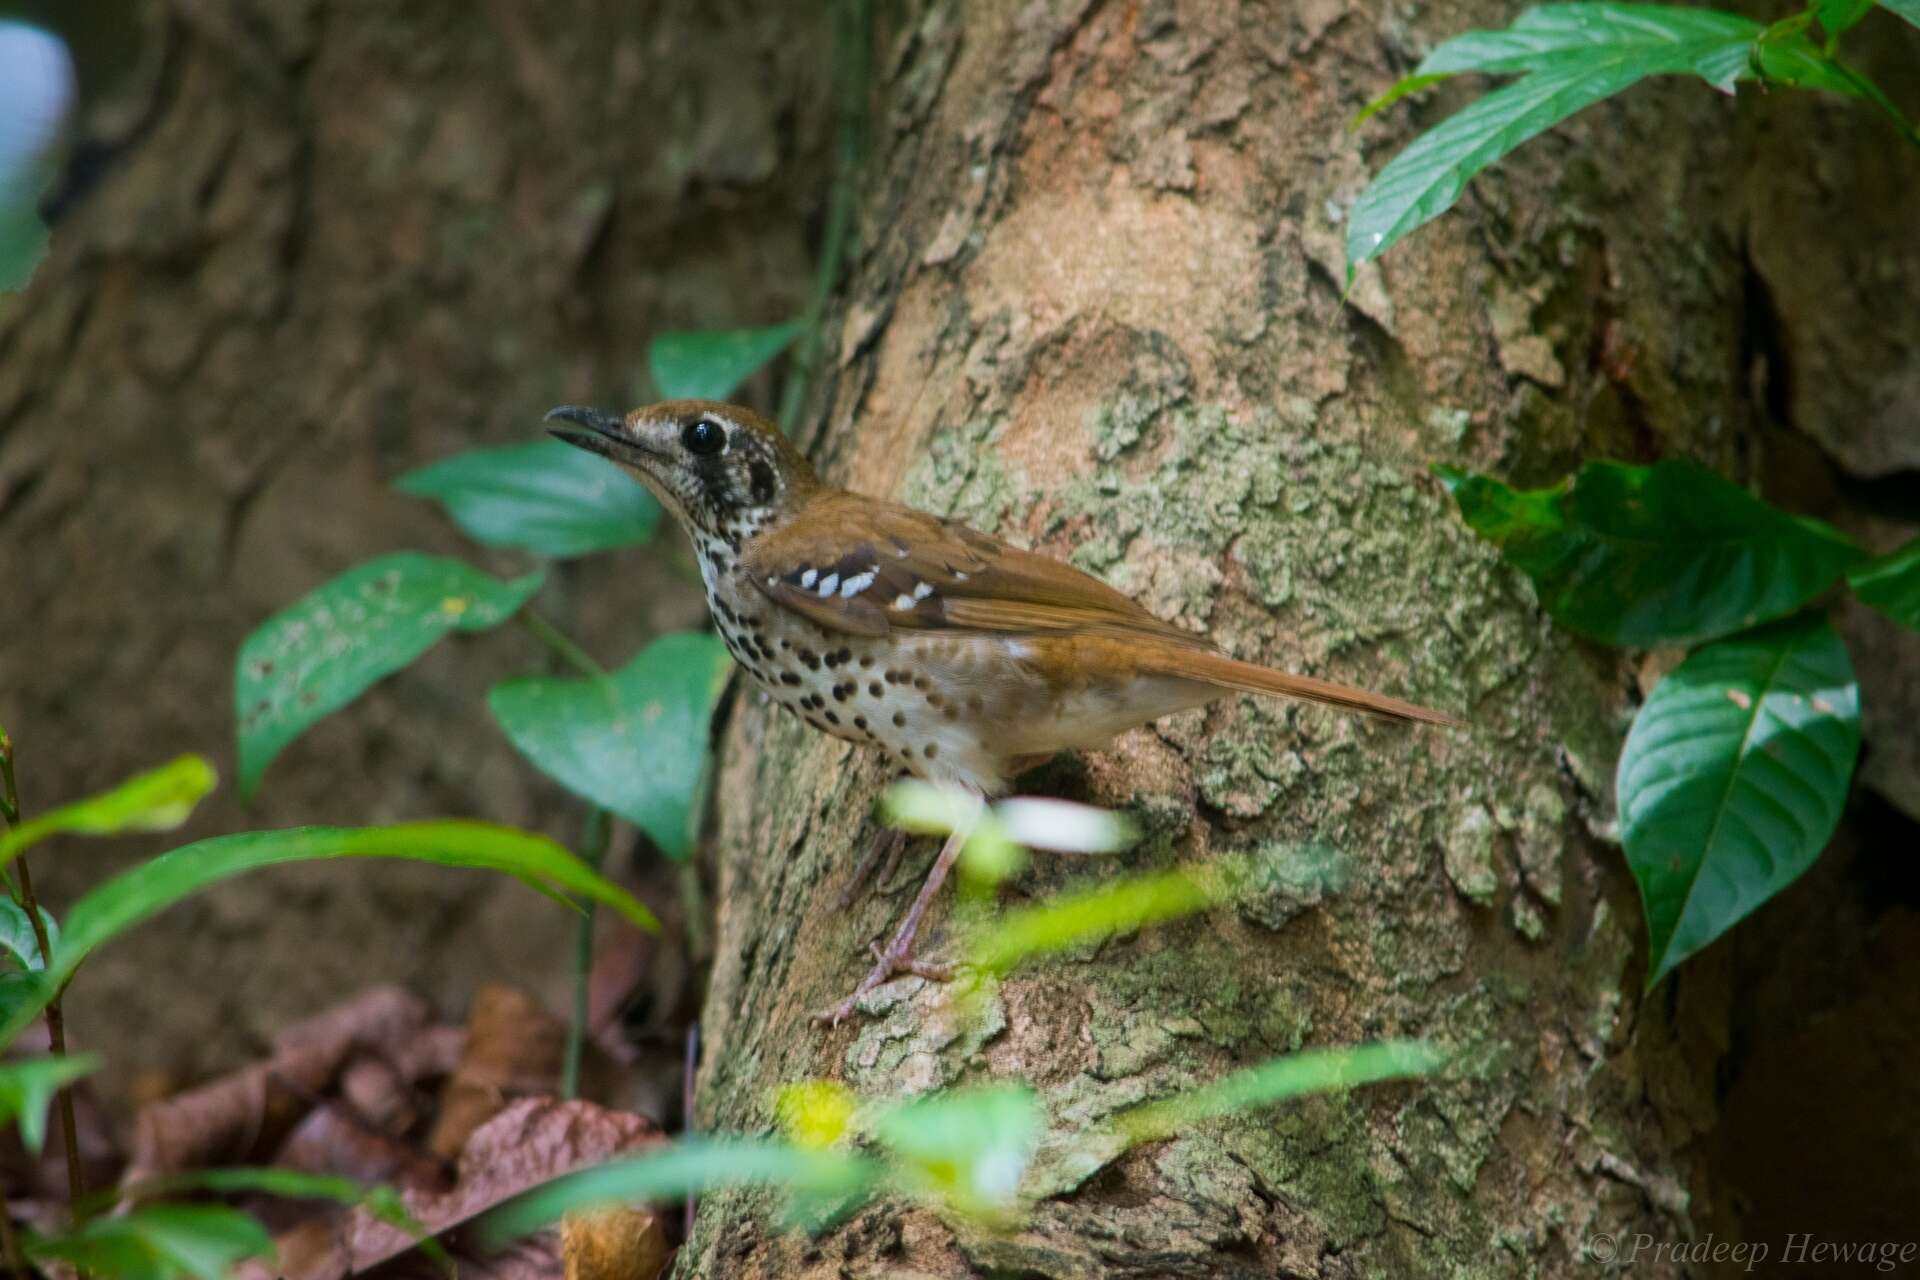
x,y
597,432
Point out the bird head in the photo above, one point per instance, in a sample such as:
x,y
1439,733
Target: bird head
x,y
722,470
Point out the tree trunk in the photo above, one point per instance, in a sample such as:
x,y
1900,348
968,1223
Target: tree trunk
x,y
314,246
1098,311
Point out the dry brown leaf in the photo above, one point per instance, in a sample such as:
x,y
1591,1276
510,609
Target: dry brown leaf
x,y
514,1048
243,1116
530,1142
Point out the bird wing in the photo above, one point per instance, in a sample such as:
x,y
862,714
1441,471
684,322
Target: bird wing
x,y
869,568
866,567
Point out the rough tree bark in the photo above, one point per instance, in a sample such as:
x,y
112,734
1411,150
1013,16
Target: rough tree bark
x,y
1099,311
313,246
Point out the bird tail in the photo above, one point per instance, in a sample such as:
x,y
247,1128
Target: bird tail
x,y
1210,667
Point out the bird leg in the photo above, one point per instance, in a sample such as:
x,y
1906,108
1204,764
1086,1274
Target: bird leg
x,y
882,851
898,955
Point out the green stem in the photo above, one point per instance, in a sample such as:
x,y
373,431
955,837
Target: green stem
x,y
555,639
593,851
852,38
56,1016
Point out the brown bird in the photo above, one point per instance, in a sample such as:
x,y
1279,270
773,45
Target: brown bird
x,y
960,656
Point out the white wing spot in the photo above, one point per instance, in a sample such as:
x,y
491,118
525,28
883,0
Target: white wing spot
x,y
853,586
959,575
806,579
829,585
903,601
922,591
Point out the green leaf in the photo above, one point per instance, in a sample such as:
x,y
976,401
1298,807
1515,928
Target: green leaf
x,y
17,937
1908,9
547,497
159,1242
968,1148
329,647
1115,907
1891,584
27,1086
1643,556
142,891
690,1167
1573,55
158,800
1837,16
1732,778
634,742
711,364
383,1203
1299,1074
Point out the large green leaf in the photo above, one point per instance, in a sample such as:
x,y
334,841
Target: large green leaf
x,y
158,800
692,1166
142,891
1732,778
1891,584
27,1087
1908,9
711,364
634,742
1642,556
159,1242
330,646
1573,55
546,497
383,1203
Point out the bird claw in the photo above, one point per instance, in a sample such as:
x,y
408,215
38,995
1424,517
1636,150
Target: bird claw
x,y
886,965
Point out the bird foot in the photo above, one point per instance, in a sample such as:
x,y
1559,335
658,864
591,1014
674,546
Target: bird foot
x,y
888,964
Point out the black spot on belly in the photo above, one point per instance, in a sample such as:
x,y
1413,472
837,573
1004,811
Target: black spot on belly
x,y
874,688
788,677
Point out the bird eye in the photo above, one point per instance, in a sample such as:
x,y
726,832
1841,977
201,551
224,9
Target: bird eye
x,y
703,437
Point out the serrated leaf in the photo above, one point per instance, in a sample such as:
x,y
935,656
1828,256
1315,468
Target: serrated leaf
x,y
17,937
1294,1076
1891,584
142,891
710,364
634,742
158,1242
158,800
331,645
690,1167
545,497
27,1088
1573,55
1643,556
967,1148
1733,777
